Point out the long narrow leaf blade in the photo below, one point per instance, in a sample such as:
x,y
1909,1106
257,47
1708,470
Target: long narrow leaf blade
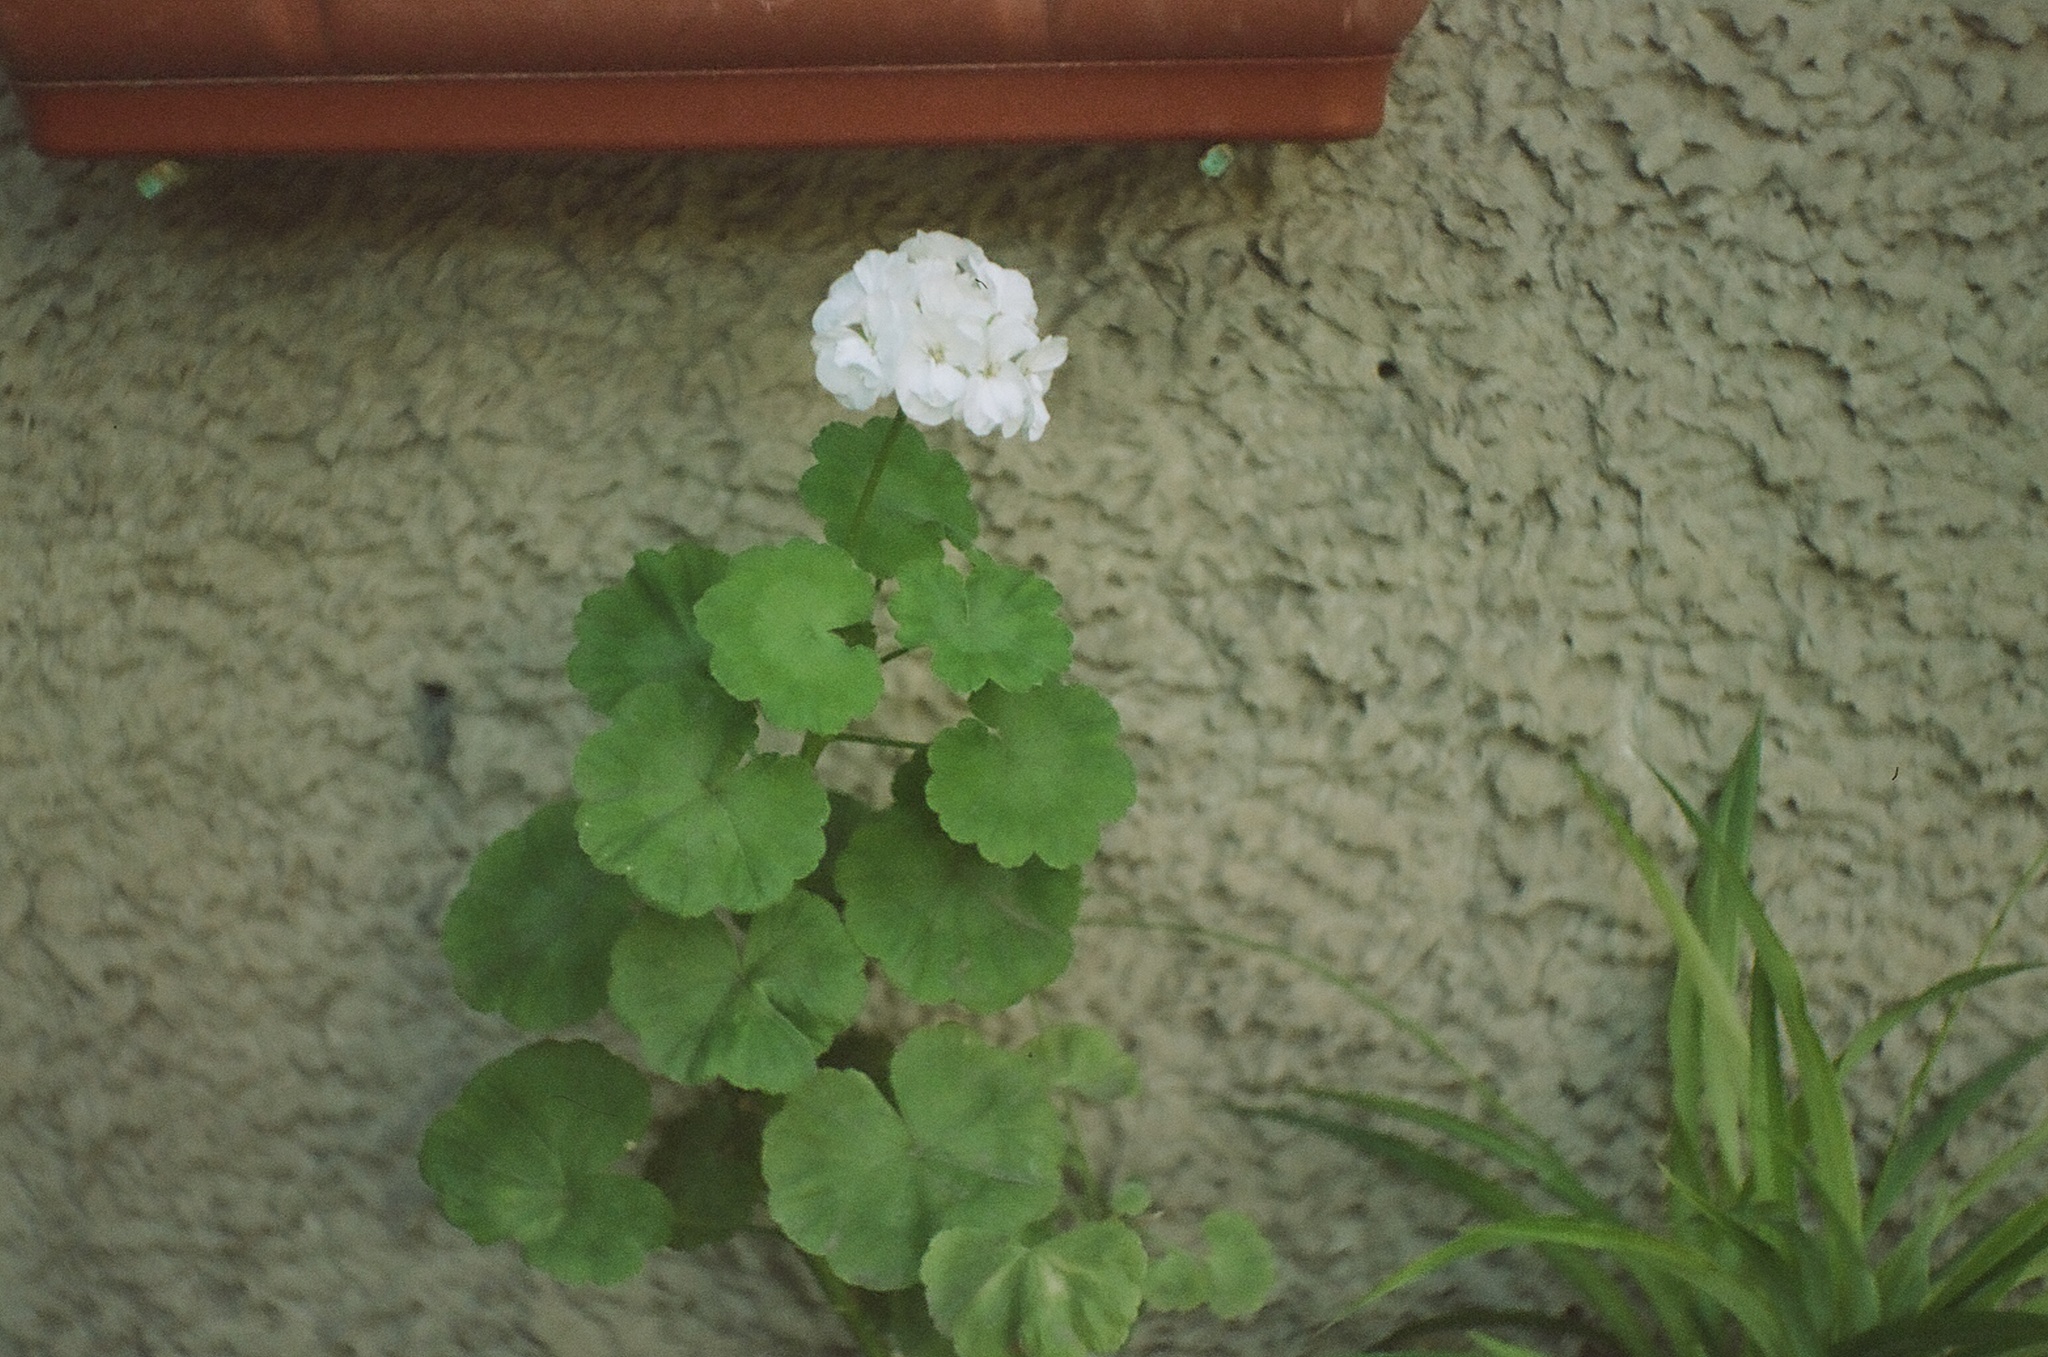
x,y
1716,995
1878,1028
1538,1159
1735,809
1686,1157
1966,1333
1753,1310
1431,1166
1481,1317
1820,1092
2028,879
1993,1173
1770,1122
1912,1154
1729,832
1730,829
1494,1347
1487,1196
1904,1278
1991,1263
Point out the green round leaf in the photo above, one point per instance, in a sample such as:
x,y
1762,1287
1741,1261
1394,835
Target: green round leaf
x,y
530,935
1073,1295
641,630
1240,1264
771,624
947,924
1037,772
1083,1060
1177,1281
707,1162
990,1136
524,1154
842,1182
1131,1198
976,1144
704,1010
611,1224
668,804
922,499
998,624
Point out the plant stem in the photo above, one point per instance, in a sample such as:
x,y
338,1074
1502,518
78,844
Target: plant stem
x,y
1094,1196
883,740
814,745
867,492
847,1306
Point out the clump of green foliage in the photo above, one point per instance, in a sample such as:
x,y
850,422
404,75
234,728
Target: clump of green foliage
x,y
1776,1242
732,912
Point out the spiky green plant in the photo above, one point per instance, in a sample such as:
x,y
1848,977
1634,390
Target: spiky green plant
x,y
1774,1244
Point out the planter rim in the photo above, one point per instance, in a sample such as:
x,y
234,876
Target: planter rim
x,y
194,77
1055,103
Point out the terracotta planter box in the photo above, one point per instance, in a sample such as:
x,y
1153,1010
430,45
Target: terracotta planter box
x,y
207,77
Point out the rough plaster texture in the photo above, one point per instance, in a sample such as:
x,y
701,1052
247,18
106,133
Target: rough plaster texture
x,y
1659,361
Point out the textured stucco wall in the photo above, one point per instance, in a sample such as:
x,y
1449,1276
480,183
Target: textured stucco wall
x,y
1659,360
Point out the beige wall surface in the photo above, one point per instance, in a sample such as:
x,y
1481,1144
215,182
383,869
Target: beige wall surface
x,y
1660,361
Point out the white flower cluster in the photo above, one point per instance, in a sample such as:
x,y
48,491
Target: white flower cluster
x,y
949,334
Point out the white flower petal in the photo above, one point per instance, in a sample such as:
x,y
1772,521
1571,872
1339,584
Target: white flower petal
x,y
949,333
991,402
1044,356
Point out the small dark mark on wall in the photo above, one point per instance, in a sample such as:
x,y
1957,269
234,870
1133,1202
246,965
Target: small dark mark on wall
x,y
1389,369
433,722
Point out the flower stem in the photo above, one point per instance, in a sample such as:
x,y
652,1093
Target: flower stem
x,y
883,740
848,1307
867,492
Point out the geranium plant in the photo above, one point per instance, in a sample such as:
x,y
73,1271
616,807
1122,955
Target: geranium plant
x,y
1786,1234
735,914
